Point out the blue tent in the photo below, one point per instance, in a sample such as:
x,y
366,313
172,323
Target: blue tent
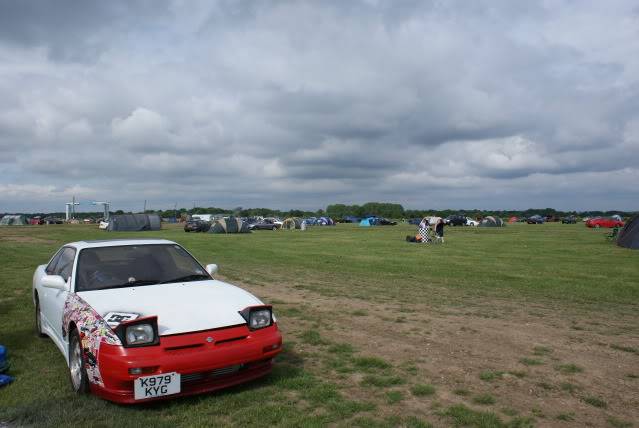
x,y
365,222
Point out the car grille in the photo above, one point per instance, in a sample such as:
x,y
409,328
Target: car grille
x,y
201,376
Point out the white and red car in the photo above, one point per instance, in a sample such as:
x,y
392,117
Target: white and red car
x,y
141,320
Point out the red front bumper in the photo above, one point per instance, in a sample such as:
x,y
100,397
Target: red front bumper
x,y
235,355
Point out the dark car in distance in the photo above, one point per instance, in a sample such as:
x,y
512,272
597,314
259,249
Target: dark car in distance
x,y
197,226
535,219
456,220
571,219
386,222
266,224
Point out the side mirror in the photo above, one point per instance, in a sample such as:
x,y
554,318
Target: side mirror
x,y
54,281
211,269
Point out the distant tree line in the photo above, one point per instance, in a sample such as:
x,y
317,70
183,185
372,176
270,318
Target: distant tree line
x,y
340,211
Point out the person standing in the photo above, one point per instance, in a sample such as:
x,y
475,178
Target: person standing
x,y
439,230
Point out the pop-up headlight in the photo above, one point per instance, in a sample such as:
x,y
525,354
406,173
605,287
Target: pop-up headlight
x,y
139,332
258,317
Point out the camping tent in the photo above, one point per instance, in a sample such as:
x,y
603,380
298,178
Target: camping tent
x,y
229,225
133,222
325,221
292,223
491,221
13,220
513,219
367,222
432,220
629,235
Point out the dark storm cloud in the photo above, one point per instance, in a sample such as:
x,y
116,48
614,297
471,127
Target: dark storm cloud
x,y
300,104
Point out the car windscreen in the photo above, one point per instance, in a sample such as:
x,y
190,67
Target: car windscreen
x,y
135,265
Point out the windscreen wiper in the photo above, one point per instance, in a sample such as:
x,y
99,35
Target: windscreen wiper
x,y
134,283
187,278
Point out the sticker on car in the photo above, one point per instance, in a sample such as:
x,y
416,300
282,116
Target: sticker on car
x,y
113,319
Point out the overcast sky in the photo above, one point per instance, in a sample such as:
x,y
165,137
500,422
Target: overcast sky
x,y
502,105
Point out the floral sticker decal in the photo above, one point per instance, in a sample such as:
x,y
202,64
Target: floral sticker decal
x,y
93,331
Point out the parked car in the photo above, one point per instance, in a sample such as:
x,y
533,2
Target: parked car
x,y
598,222
535,219
571,219
139,320
197,226
266,224
385,222
52,220
471,222
456,220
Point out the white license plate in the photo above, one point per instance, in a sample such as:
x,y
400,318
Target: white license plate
x,y
156,386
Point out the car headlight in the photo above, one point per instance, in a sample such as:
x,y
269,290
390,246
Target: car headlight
x,y
258,317
139,334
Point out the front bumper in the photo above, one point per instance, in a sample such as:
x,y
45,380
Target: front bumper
x,y
234,355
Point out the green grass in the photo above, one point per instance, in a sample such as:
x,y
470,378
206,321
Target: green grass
x,y
618,423
566,417
382,381
623,348
568,368
393,397
423,390
542,350
531,361
373,364
490,375
484,399
558,265
595,401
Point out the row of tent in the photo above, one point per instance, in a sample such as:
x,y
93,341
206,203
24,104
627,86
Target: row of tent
x,y
14,220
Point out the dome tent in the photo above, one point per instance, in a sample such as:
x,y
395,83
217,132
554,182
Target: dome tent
x,y
229,225
13,220
292,223
325,221
491,221
367,222
629,236
134,222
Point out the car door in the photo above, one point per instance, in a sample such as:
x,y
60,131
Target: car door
x,y
52,305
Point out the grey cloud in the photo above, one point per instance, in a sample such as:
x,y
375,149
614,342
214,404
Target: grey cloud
x,y
298,104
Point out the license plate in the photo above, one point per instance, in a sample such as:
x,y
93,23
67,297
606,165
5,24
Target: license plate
x,y
156,386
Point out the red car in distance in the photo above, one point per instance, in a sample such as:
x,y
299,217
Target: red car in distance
x,y
598,222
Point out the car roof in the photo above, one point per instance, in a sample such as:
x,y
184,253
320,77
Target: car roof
x,y
118,242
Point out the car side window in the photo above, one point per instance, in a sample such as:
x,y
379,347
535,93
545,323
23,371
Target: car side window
x,y
50,269
65,263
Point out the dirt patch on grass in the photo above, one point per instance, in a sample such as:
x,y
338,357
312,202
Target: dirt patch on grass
x,y
546,365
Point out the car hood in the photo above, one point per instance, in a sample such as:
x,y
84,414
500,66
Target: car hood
x,y
180,307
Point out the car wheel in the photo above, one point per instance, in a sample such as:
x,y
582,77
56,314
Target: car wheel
x,y
77,372
38,319
274,228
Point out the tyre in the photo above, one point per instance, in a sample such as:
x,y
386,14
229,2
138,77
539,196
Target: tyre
x,y
38,319
274,228
77,371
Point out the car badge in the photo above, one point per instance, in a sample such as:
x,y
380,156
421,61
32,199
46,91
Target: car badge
x,y
209,339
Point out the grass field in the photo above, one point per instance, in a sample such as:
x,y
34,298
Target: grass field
x,y
529,325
